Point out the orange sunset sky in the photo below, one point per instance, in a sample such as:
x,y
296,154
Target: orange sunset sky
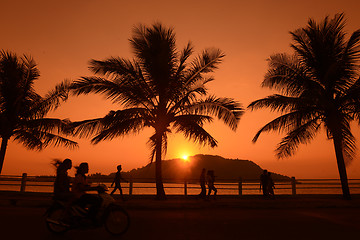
x,y
62,36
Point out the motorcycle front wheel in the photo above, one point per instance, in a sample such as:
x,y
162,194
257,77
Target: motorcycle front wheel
x,y
117,221
54,221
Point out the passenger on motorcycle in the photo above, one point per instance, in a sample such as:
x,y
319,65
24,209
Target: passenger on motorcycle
x,y
80,186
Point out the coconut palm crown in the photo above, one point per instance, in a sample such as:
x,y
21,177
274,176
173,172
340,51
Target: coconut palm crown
x,y
319,89
159,89
23,111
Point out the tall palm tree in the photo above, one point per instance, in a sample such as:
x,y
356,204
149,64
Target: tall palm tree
x,y
157,89
319,86
23,111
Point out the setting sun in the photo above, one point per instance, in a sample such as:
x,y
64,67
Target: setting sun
x,y
185,158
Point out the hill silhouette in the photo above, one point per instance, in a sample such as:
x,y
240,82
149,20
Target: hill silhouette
x,y
225,169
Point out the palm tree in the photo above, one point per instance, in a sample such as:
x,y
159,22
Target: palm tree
x,y
319,87
158,89
23,111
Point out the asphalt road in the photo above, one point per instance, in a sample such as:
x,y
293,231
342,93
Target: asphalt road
x,y
207,223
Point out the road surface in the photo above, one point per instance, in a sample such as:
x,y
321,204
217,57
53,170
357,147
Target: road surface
x,y
206,223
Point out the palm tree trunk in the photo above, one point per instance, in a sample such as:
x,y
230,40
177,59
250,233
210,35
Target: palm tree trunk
x,y
4,143
160,192
341,166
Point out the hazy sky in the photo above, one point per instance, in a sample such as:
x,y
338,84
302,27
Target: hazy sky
x,y
62,36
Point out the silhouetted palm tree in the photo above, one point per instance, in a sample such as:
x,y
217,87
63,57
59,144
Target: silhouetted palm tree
x,y
320,86
23,111
158,89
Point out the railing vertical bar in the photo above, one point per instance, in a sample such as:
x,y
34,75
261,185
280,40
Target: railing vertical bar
x,y
23,182
130,186
240,187
185,187
293,186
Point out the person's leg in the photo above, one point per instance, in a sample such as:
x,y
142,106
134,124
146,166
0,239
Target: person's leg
x,y
271,191
121,193
203,191
112,192
264,187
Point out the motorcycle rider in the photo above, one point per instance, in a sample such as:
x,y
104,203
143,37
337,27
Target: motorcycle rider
x,y
62,181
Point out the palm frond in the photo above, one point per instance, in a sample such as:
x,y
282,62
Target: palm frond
x,y
119,128
192,118
347,138
186,95
114,66
86,128
38,140
276,102
57,141
288,122
349,147
47,125
184,55
127,92
300,135
286,75
86,85
28,139
193,130
349,64
225,109
51,101
128,113
30,74
206,62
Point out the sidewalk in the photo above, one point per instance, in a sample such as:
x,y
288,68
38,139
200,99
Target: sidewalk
x,y
33,199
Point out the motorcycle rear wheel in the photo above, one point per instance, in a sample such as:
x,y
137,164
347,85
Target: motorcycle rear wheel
x,y
117,221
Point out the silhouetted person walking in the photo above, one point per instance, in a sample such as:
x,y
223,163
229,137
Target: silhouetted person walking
x,y
210,182
264,183
202,183
117,180
271,185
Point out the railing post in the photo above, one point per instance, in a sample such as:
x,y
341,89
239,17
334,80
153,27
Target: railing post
x,y
240,186
23,182
293,185
185,187
130,186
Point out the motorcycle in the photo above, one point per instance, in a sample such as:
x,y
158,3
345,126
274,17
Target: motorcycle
x,y
60,218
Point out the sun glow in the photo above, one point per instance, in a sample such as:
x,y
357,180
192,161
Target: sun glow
x,y
185,158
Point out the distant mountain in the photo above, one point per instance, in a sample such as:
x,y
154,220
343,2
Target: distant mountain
x,y
225,169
